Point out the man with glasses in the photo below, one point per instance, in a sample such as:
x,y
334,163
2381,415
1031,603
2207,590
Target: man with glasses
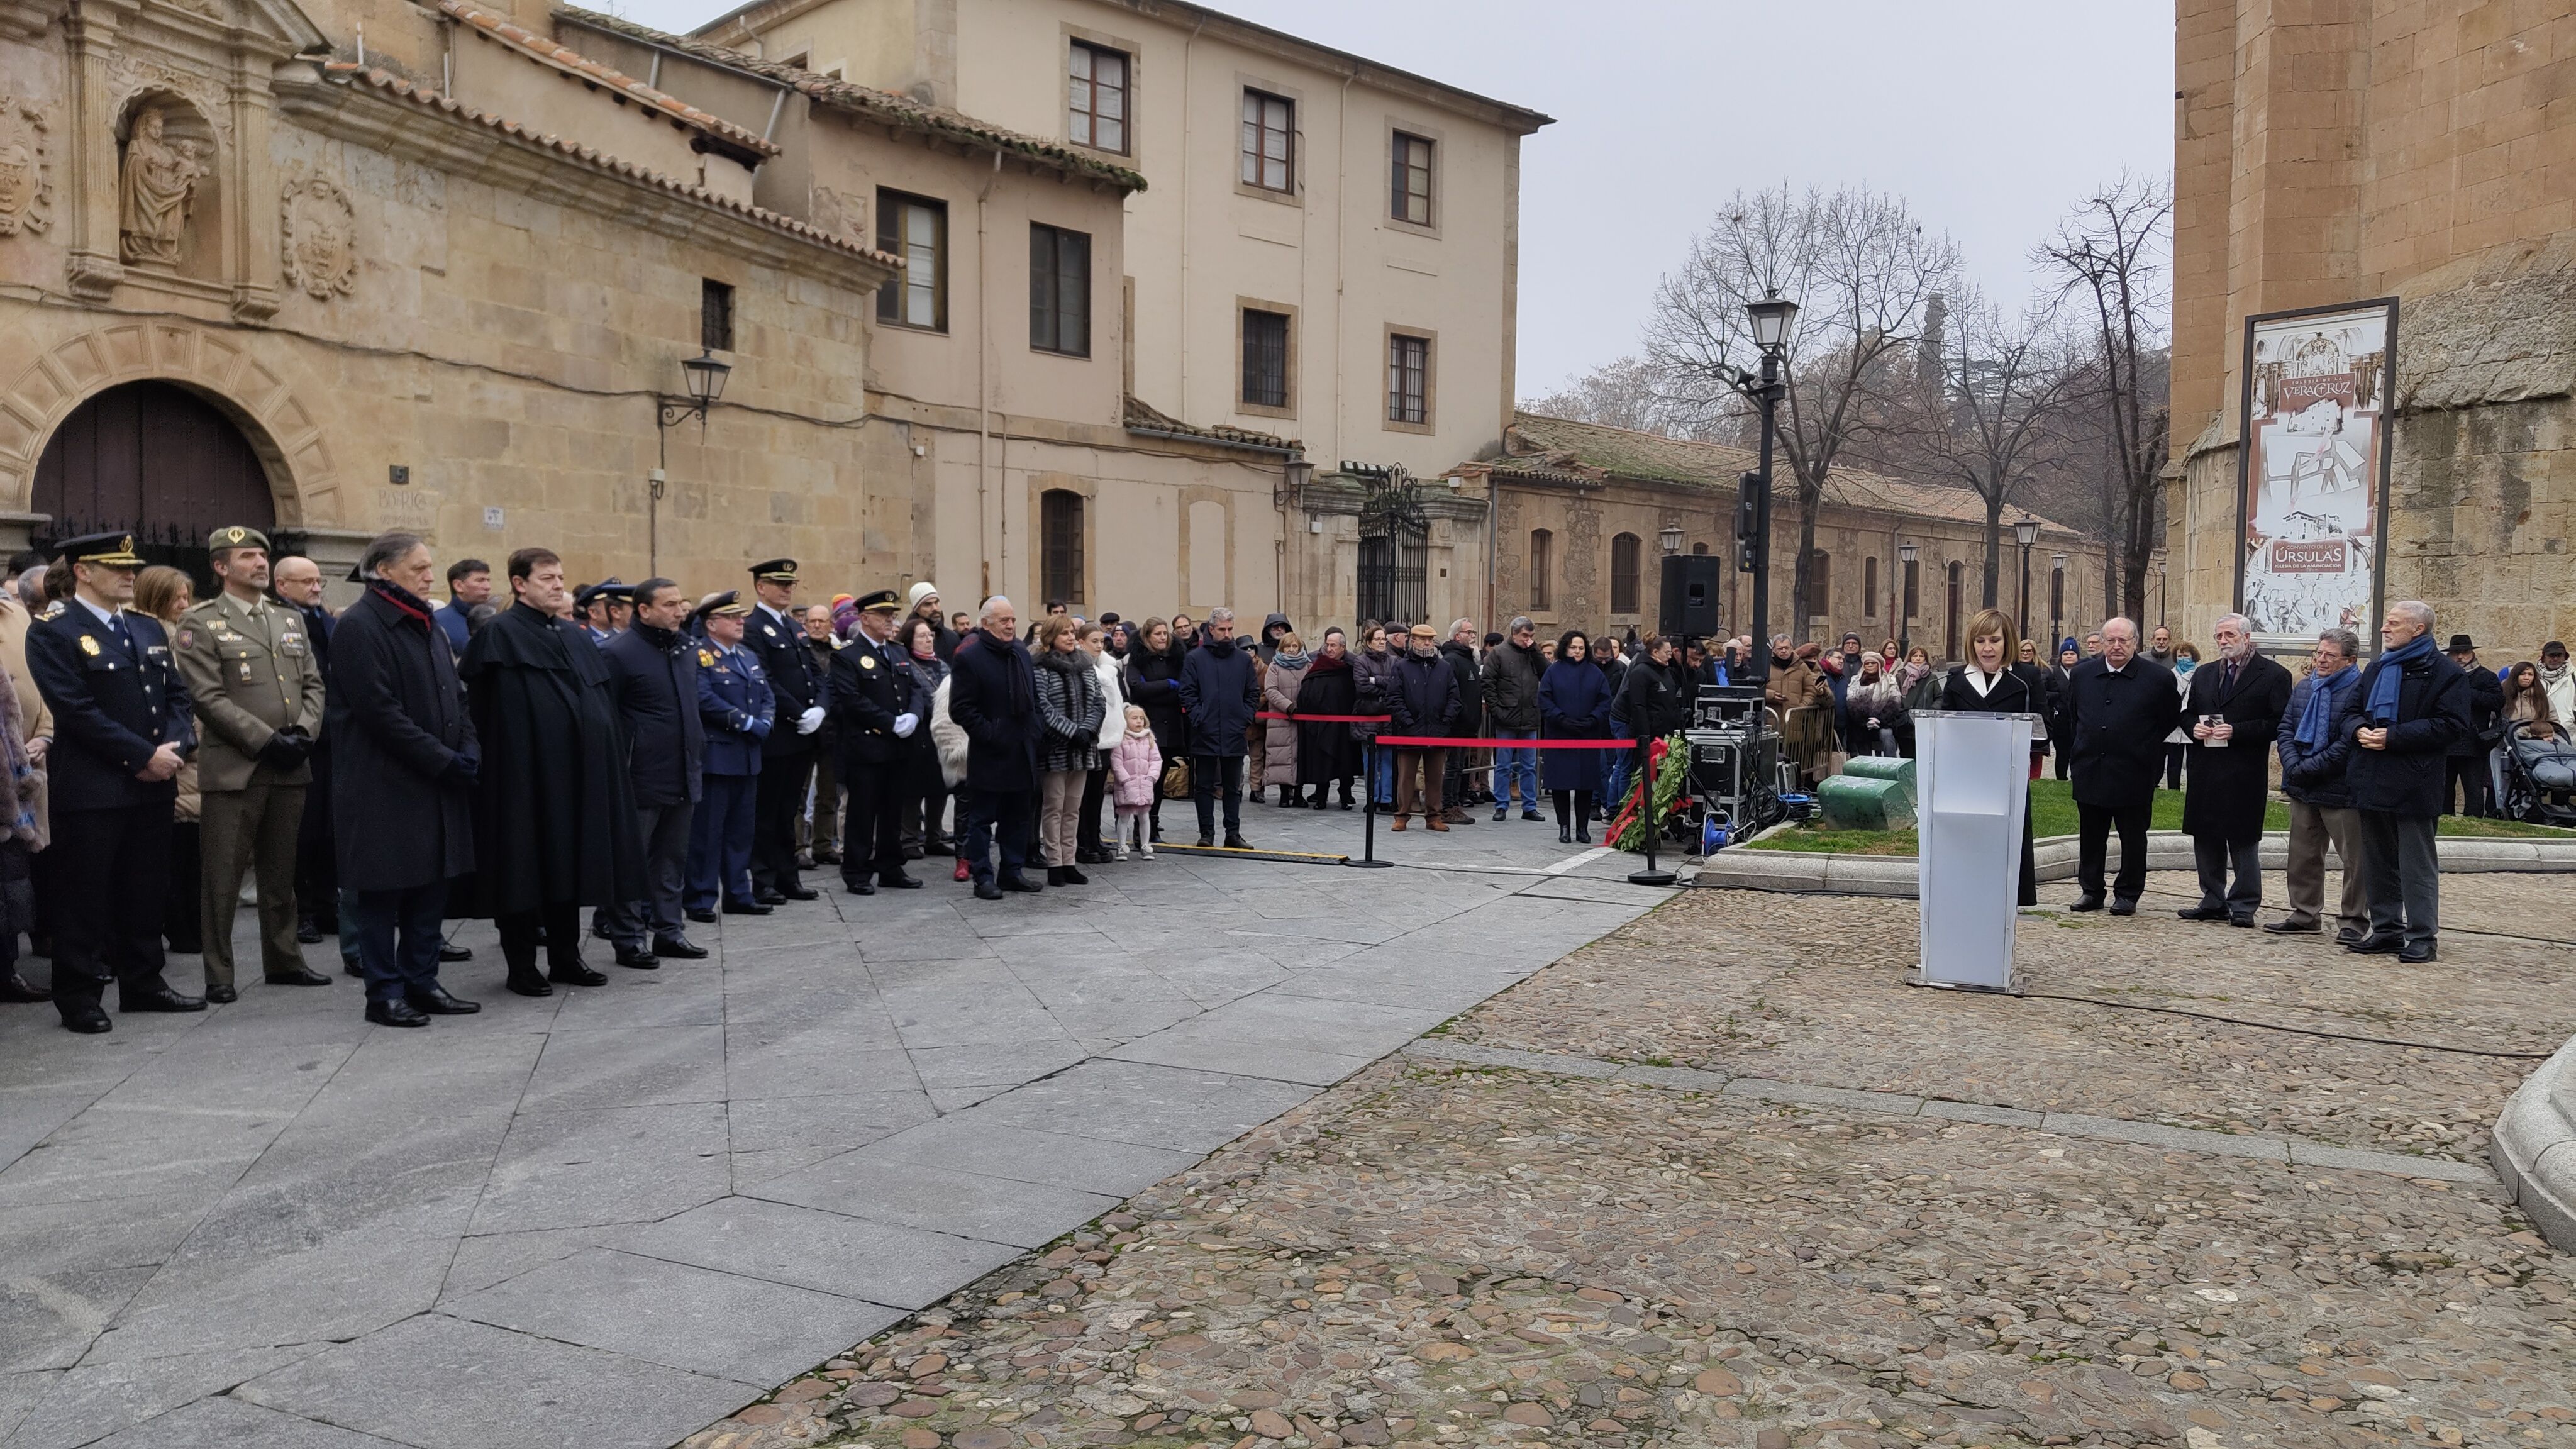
x,y
2313,757
1510,683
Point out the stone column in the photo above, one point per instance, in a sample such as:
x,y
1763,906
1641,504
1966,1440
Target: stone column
x,y
89,137
253,218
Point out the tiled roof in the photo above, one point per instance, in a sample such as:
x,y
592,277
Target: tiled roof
x,y
1145,416
387,83
884,107
1561,450
582,67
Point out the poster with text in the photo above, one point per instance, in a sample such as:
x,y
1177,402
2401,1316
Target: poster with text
x,y
2313,474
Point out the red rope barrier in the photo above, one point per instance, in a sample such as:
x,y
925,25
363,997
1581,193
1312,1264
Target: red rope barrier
x,y
1426,742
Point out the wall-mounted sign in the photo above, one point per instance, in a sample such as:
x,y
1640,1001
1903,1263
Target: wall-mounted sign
x,y
2312,476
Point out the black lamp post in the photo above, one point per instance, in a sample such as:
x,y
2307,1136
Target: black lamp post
x,y
2159,566
1906,552
704,376
1771,318
2025,533
2056,602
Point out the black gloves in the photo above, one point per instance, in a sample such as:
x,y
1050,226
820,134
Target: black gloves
x,y
463,767
286,749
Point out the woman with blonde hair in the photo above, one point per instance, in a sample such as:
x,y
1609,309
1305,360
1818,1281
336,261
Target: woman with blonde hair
x,y
1990,684
165,593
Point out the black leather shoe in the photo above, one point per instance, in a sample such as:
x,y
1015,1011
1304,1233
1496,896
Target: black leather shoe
x,y
638,960
599,929
300,976
703,916
860,887
2377,946
307,932
987,891
1531,816
679,948
915,851
528,983
1055,875
2203,913
827,856
160,999
2086,903
1207,842
1073,876
577,975
2124,905
768,896
799,893
434,1001
747,908
86,1018
1565,835
2348,938
447,952
2242,923
353,970
14,987
898,881
218,994
395,1013
1021,884
2417,955
1237,842
2293,926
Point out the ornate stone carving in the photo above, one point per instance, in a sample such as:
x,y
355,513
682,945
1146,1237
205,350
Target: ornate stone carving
x,y
158,187
26,169
320,238
130,77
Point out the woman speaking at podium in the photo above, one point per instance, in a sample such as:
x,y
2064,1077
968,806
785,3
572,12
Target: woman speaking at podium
x,y
1989,683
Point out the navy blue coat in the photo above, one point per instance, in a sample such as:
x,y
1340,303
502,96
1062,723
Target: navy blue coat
x,y
656,687
1422,694
1217,690
2316,777
2407,778
735,708
114,703
1573,703
866,688
993,697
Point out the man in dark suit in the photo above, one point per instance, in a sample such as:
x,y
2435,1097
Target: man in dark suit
x,y
122,728
2234,716
2119,709
787,756
737,710
653,672
2411,704
297,582
876,704
992,696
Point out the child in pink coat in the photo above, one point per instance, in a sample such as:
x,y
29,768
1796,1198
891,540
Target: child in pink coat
x,y
1136,770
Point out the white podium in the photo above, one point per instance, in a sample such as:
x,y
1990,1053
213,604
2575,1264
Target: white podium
x,y
1972,774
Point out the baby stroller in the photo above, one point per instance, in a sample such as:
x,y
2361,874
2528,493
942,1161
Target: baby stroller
x,y
2535,779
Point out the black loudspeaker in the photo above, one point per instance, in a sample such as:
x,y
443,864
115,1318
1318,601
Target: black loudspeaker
x,y
1691,597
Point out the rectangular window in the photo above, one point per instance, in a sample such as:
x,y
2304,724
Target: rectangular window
x,y
1059,290
1408,379
1060,545
1269,142
914,228
1098,99
1869,588
1265,358
715,316
1820,584
1409,189
1542,570
1623,573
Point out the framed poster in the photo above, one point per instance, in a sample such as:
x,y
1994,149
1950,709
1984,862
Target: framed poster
x,y
2312,475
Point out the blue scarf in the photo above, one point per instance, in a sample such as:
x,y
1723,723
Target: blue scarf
x,y
2386,674
2316,724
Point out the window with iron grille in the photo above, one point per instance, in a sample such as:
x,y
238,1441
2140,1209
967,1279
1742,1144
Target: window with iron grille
x,y
1059,290
715,315
1542,569
1623,573
1409,187
1060,545
1097,98
1269,141
1265,358
1913,588
1408,379
1869,588
914,228
1820,584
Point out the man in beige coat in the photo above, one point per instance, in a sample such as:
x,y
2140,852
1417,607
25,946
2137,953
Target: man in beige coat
x,y
258,691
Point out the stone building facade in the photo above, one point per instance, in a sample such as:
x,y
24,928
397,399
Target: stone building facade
x,y
2345,151
1580,511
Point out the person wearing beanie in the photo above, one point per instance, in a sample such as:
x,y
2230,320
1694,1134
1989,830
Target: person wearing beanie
x,y
922,601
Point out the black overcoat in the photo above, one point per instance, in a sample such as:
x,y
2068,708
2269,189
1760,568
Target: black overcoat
x,y
554,811
2116,728
395,715
2407,778
993,697
2230,781
1152,682
655,682
868,687
1327,752
2014,693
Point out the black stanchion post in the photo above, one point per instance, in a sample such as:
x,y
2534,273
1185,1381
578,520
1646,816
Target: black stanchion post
x,y
1650,876
1368,793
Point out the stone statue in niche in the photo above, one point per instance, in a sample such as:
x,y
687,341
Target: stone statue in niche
x,y
159,186
321,252
26,179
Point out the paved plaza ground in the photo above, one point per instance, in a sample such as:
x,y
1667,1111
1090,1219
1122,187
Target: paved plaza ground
x,y
611,1216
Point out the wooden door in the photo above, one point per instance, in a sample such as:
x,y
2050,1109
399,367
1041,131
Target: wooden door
x,y
157,461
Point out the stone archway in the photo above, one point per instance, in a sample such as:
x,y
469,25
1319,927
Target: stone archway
x,y
157,462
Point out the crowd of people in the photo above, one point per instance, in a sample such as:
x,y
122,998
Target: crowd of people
x,y
528,748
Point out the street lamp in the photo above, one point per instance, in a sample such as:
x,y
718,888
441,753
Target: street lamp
x,y
2158,566
704,377
2056,602
2025,533
1671,538
1907,552
1771,318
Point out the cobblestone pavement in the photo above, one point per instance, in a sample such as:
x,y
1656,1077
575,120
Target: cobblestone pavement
x,y
1441,1252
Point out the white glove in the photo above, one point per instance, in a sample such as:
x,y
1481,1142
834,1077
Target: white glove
x,y
905,724
811,720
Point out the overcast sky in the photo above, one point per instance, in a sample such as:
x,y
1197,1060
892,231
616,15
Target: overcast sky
x,y
1993,118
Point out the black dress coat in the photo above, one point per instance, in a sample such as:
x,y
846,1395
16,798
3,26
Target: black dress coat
x,y
993,697
655,682
554,811
2013,694
1652,701
2407,778
2230,781
2116,725
115,703
1327,752
870,686
1152,683
394,714
795,677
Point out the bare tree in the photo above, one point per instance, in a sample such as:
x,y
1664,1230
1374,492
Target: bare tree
x,y
2110,258
1626,393
1861,270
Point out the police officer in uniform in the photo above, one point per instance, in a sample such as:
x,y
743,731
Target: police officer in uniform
x,y
877,701
735,705
257,687
122,728
605,609
787,757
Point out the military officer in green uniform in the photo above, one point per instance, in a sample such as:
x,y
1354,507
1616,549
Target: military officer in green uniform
x,y
257,687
